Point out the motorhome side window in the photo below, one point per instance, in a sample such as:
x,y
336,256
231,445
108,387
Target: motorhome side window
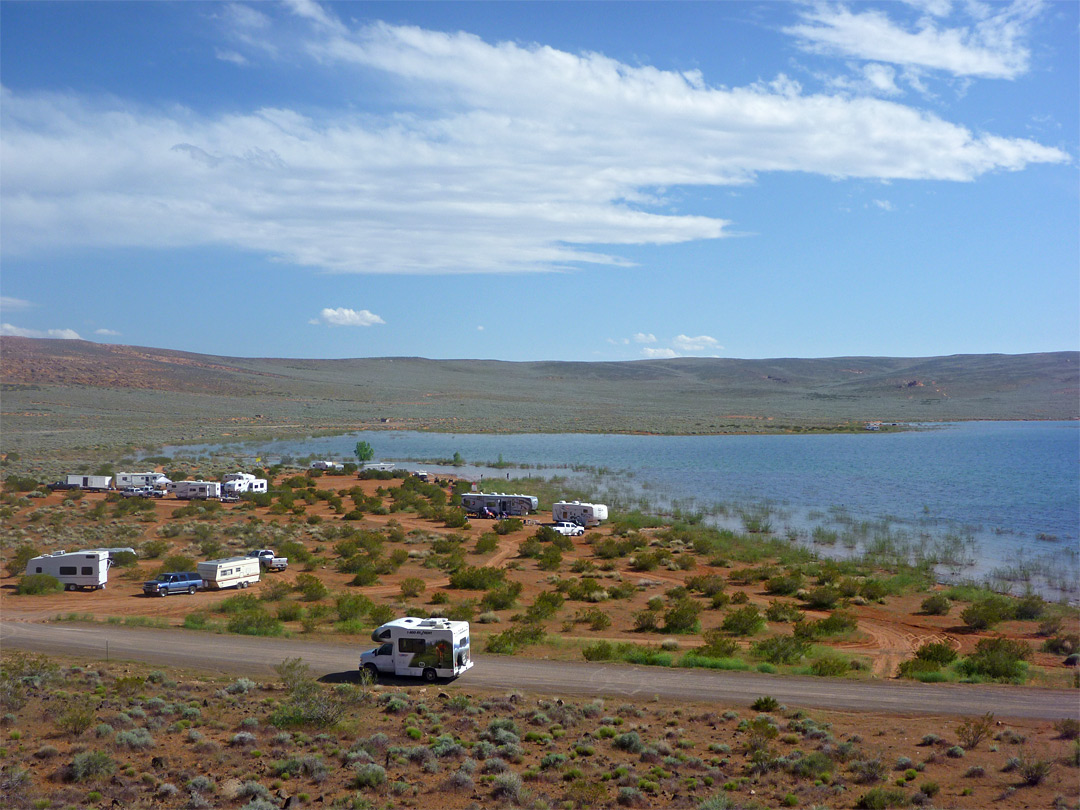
x,y
67,570
87,571
411,645
37,569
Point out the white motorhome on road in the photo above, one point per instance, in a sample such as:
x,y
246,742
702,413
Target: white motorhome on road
x,y
496,503
195,490
230,572
91,482
583,514
79,569
423,648
240,482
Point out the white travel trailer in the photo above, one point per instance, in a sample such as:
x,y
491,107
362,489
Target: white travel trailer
x,y
331,466
239,482
91,482
143,479
231,572
77,570
424,648
498,504
583,514
195,490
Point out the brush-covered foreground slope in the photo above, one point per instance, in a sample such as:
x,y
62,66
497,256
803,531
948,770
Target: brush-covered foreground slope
x,y
70,393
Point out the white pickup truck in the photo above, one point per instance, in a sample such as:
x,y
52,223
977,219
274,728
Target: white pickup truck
x,y
269,560
568,529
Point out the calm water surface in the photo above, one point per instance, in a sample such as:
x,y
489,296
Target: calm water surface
x,y
1010,490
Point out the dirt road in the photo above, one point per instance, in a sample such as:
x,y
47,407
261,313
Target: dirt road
x,y
256,657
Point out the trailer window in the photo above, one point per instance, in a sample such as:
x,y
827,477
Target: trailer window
x,y
68,570
37,570
87,571
411,645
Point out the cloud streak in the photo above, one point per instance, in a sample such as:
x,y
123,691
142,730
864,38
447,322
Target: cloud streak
x,y
508,157
342,316
7,329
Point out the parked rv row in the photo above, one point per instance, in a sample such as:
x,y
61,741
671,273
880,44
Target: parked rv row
x,y
156,485
89,570
570,517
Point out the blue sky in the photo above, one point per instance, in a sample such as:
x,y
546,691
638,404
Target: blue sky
x,y
528,181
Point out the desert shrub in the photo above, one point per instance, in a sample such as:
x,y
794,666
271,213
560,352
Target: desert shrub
x,y
412,587
511,640
765,703
940,652
1067,728
830,667
352,606
918,668
90,765
76,719
486,543
38,584
311,588
682,616
998,659
779,611
781,649
986,613
717,645
882,798
629,742
1033,769
507,526
506,786
255,623
973,730
1062,644
16,563
502,597
824,597
1029,607
477,579
745,621
137,739
646,621
868,771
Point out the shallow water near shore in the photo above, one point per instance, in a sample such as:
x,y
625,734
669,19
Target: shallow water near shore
x,y
987,500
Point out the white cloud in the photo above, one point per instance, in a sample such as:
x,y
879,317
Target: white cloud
x,y
884,205
231,56
644,337
659,354
107,332
991,46
479,329
17,331
685,343
347,317
9,303
504,157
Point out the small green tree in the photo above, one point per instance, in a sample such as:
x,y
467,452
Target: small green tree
x,y
364,452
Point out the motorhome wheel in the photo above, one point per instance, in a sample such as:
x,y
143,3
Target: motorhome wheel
x,y
69,587
372,672
430,675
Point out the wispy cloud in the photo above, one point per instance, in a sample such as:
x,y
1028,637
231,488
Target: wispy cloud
x,y
884,205
659,354
8,303
701,343
504,157
107,332
17,331
644,337
342,316
991,45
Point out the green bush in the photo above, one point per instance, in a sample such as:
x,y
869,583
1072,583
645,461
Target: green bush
x,y
38,584
255,623
781,649
16,564
486,543
477,579
682,616
90,765
507,526
988,612
745,621
940,652
830,667
999,659
882,798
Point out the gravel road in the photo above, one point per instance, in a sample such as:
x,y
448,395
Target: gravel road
x,y
256,657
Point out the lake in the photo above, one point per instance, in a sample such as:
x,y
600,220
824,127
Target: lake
x,y
995,499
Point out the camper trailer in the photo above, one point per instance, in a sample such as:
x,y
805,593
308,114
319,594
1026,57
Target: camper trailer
x,y
583,514
329,466
143,479
77,570
94,483
195,490
239,482
231,572
423,648
497,504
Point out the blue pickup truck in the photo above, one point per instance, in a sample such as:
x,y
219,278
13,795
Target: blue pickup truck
x,y
173,582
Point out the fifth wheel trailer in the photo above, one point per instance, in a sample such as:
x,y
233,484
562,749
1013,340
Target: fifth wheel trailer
x,y
77,570
499,504
583,514
93,483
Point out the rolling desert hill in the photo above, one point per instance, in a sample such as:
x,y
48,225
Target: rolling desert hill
x,y
77,394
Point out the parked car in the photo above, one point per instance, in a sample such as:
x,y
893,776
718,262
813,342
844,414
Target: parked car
x,y
136,492
568,529
62,485
173,582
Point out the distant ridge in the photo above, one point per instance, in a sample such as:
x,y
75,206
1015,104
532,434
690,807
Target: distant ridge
x,y
205,394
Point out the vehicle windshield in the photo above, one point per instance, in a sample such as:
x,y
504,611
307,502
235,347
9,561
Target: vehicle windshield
x,y
161,578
